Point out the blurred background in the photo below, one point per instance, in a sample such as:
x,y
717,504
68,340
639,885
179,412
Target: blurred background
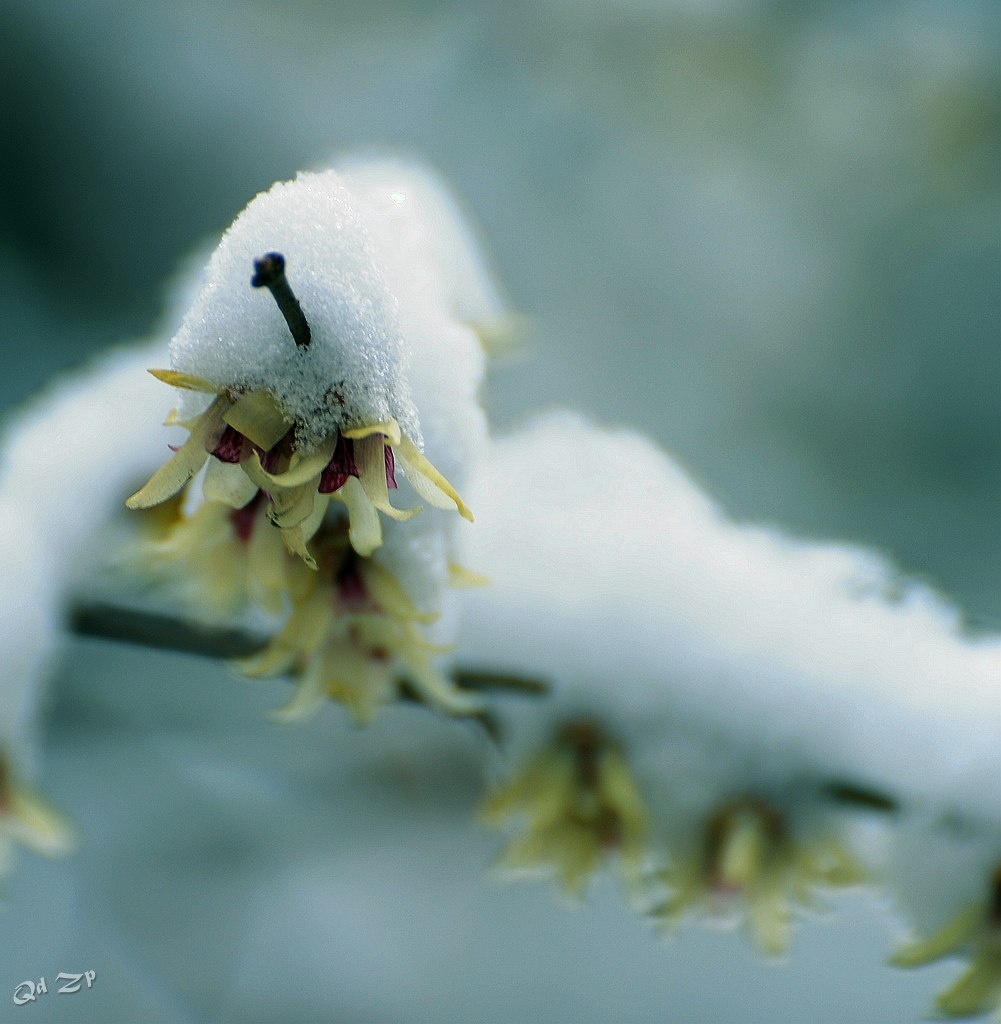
x,y
765,233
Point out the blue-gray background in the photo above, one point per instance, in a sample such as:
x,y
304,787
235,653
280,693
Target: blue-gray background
x,y
765,233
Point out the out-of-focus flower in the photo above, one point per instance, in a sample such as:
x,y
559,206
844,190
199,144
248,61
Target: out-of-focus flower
x,y
225,558
748,852
579,803
354,636
975,931
26,820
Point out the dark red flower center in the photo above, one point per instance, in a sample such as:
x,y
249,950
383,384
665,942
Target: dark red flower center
x,y
244,519
229,447
340,467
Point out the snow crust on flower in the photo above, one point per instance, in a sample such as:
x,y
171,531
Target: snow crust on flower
x,y
353,372
433,265
614,577
421,217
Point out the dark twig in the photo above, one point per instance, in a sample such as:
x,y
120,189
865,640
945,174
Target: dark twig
x,y
269,272
169,633
852,794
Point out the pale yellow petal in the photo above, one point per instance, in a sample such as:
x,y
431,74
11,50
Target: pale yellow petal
x,y
390,430
978,990
274,660
299,639
953,935
364,529
426,480
618,791
293,507
434,689
460,577
769,916
31,822
186,461
257,416
358,682
302,469
227,483
297,537
188,381
370,458
387,592
295,544
266,575
310,693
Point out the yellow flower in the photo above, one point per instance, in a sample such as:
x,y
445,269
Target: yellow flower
x,y
226,557
579,803
353,636
976,931
27,820
748,853
253,446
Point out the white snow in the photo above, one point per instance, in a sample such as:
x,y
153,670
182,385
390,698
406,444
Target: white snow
x,y
617,580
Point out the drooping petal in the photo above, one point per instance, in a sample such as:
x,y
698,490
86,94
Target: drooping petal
x,y
293,507
297,537
266,569
186,461
303,469
390,430
297,642
435,689
979,989
364,529
310,693
256,415
370,458
385,589
227,483
187,381
769,916
427,481
953,935
31,822
359,682
460,577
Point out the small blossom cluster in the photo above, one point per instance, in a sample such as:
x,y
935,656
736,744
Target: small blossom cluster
x,y
730,663
321,426
300,433
750,857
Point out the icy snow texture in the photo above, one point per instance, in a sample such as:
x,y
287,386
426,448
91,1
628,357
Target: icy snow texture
x,y
425,219
618,580
353,373
385,270
434,267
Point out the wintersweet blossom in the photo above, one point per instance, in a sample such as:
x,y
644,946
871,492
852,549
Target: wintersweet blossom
x,y
974,932
27,820
310,394
578,803
249,445
223,558
354,636
747,851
